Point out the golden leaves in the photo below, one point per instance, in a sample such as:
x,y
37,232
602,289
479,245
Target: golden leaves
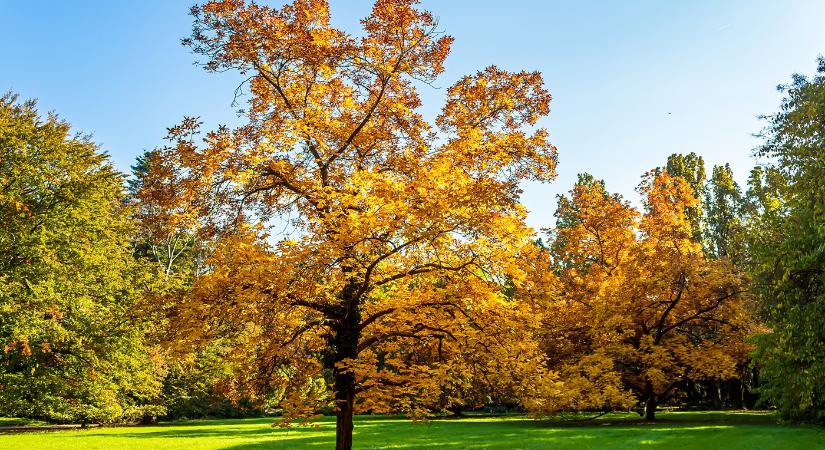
x,y
399,245
650,307
488,113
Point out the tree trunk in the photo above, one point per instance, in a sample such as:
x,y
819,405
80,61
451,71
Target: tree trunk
x,y
742,393
456,410
345,402
344,345
650,403
149,419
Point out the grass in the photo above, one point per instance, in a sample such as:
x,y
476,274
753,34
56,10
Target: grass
x,y
18,422
683,430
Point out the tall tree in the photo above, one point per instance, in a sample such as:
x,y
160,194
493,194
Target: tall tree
x,y
641,310
395,234
593,239
724,212
691,167
74,343
193,382
789,250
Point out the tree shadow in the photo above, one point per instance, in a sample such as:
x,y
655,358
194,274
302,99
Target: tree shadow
x,y
693,430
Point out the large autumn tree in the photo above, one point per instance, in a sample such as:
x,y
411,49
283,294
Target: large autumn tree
x,y
74,345
351,233
640,308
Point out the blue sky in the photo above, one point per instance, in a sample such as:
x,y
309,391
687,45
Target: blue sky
x,y
631,81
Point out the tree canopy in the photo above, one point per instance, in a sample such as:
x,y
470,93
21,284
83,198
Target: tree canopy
x,y
640,308
74,344
788,245
401,233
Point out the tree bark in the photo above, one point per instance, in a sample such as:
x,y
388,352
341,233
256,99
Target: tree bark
x,y
742,392
344,345
650,403
345,400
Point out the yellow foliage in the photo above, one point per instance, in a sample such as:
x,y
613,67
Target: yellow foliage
x,y
641,308
387,292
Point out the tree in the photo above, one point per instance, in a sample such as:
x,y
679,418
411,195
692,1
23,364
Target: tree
x,y
691,167
789,250
724,211
74,342
166,232
590,246
641,309
192,382
764,205
397,237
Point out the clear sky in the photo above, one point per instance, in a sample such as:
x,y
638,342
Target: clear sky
x,y
632,81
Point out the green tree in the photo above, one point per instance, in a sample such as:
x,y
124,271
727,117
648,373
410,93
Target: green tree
x,y
723,205
691,167
73,341
789,253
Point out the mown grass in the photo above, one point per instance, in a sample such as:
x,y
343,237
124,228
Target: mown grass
x,y
677,430
18,422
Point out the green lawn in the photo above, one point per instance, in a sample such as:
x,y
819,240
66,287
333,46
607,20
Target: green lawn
x,y
678,430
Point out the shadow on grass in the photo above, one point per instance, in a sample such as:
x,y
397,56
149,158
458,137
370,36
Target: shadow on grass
x,y
678,430
700,418
233,428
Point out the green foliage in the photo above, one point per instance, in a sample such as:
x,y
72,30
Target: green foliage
x,y
192,389
789,250
724,230
73,341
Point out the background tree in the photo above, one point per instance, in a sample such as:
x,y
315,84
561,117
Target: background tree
x,y
724,212
194,382
641,309
73,339
789,252
167,234
691,167
589,247
395,235
763,206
